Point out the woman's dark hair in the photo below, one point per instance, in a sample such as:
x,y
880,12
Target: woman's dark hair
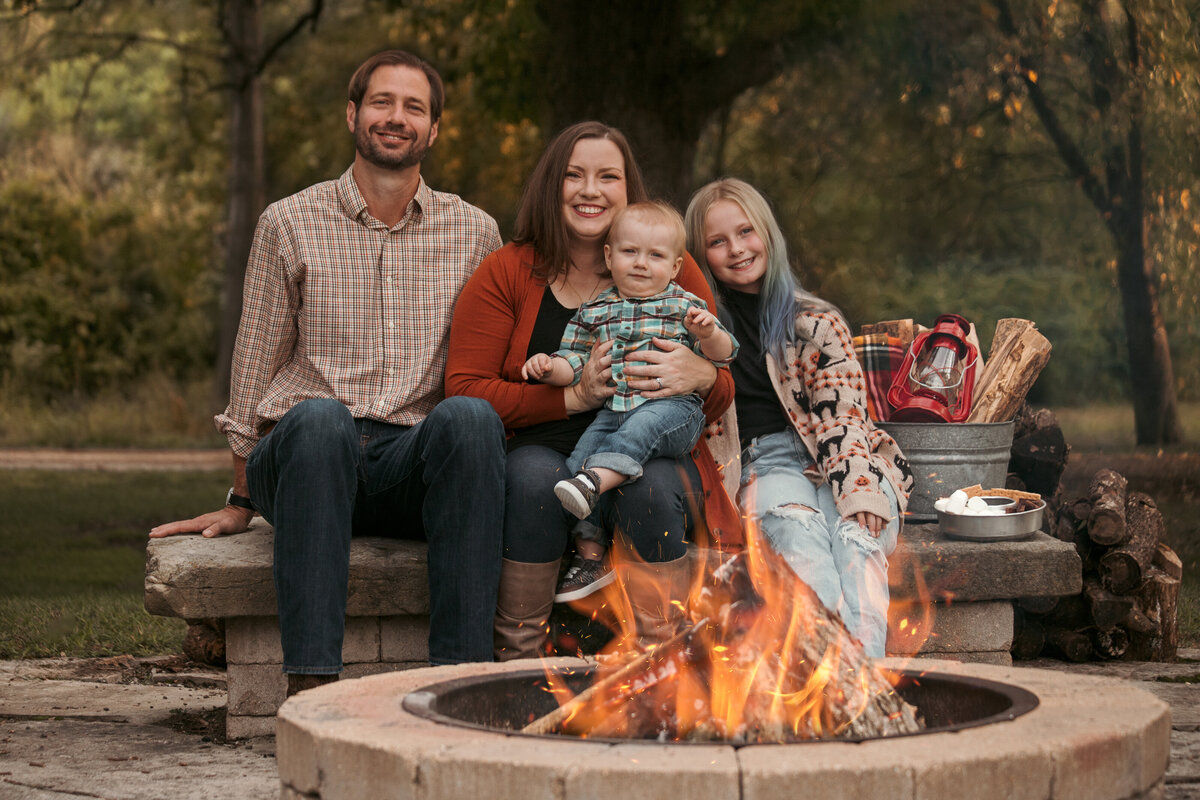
x,y
398,58
539,217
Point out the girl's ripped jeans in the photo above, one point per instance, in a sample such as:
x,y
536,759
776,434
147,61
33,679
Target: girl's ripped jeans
x,y
843,563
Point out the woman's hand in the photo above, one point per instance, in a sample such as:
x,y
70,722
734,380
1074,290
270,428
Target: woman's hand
x,y
872,523
594,385
670,370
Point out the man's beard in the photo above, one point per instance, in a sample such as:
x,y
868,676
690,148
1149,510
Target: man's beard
x,y
397,159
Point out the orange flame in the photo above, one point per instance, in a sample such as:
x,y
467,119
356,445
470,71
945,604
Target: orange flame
x,y
761,661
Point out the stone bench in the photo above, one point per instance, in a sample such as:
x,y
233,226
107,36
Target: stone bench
x,y
970,587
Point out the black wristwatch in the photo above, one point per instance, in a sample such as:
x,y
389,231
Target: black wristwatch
x,y
232,499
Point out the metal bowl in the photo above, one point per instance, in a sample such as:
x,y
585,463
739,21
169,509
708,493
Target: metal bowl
x,y
999,528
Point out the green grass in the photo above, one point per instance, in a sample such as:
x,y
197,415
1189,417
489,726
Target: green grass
x,y
157,412
72,559
1109,428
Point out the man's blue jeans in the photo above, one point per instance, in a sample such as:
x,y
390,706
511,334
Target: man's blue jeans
x,y
843,563
321,476
667,427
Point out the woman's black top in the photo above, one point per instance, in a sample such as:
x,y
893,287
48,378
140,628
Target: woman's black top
x,y
558,434
759,411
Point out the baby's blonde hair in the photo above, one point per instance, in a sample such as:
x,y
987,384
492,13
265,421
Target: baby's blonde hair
x,y
654,212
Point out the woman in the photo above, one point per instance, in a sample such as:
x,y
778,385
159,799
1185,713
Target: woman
x,y
826,487
518,304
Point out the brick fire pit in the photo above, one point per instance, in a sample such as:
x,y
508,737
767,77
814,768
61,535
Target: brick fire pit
x,y
1088,738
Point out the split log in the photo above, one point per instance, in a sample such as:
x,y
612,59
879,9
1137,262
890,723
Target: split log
x,y
1039,458
204,641
1069,528
636,666
1158,599
1106,522
1016,358
1137,622
1029,636
1071,613
1106,609
1122,569
1166,560
1110,644
1071,645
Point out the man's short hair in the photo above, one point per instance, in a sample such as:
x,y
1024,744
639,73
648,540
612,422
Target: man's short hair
x,y
398,58
653,212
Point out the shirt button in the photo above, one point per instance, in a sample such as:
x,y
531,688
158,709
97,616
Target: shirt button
x,y
391,325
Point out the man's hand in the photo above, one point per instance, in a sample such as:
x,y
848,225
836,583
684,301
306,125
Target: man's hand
x,y
700,322
230,519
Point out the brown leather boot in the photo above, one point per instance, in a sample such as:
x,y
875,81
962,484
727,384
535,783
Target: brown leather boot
x,y
657,592
523,609
300,683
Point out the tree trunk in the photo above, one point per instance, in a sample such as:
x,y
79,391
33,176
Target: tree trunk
x,y
1151,375
247,171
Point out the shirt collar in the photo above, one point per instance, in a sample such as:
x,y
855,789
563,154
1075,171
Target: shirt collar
x,y
355,205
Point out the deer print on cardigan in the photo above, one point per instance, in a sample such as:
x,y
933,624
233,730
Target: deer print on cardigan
x,y
823,391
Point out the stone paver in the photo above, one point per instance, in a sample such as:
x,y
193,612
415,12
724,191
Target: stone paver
x,y
71,727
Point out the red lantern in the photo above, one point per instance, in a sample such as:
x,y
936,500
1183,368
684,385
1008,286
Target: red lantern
x,y
937,378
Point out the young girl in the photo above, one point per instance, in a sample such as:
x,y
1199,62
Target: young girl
x,y
825,486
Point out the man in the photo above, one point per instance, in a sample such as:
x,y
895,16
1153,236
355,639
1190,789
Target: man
x,y
336,418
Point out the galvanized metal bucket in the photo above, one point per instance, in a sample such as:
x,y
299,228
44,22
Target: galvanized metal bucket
x,y
945,456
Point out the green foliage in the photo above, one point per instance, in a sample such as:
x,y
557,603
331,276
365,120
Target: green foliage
x,y
89,297
72,555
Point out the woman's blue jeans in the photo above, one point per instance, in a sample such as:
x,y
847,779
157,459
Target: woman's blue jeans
x,y
653,514
843,563
321,476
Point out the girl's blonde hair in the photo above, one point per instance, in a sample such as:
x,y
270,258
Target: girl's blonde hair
x,y
782,295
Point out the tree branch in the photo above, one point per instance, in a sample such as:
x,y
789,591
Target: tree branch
x,y
308,18
1067,149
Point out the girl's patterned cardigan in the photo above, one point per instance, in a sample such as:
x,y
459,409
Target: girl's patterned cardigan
x,y
822,389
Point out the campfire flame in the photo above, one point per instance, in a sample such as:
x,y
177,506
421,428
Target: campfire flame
x,y
757,659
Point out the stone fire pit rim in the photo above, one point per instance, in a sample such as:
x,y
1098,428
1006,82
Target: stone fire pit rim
x,y
422,702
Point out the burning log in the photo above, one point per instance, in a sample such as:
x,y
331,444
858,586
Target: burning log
x,y
764,661
1122,568
1106,520
1016,358
626,672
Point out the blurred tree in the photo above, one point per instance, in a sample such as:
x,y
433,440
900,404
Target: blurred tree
x,y
222,46
658,71
1085,67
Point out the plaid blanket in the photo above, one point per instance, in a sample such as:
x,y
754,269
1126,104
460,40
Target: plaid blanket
x,y
880,356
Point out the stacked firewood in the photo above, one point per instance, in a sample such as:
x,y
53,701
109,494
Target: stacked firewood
x,y
1131,579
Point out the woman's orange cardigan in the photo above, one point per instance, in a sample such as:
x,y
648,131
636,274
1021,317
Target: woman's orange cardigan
x,y
489,342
